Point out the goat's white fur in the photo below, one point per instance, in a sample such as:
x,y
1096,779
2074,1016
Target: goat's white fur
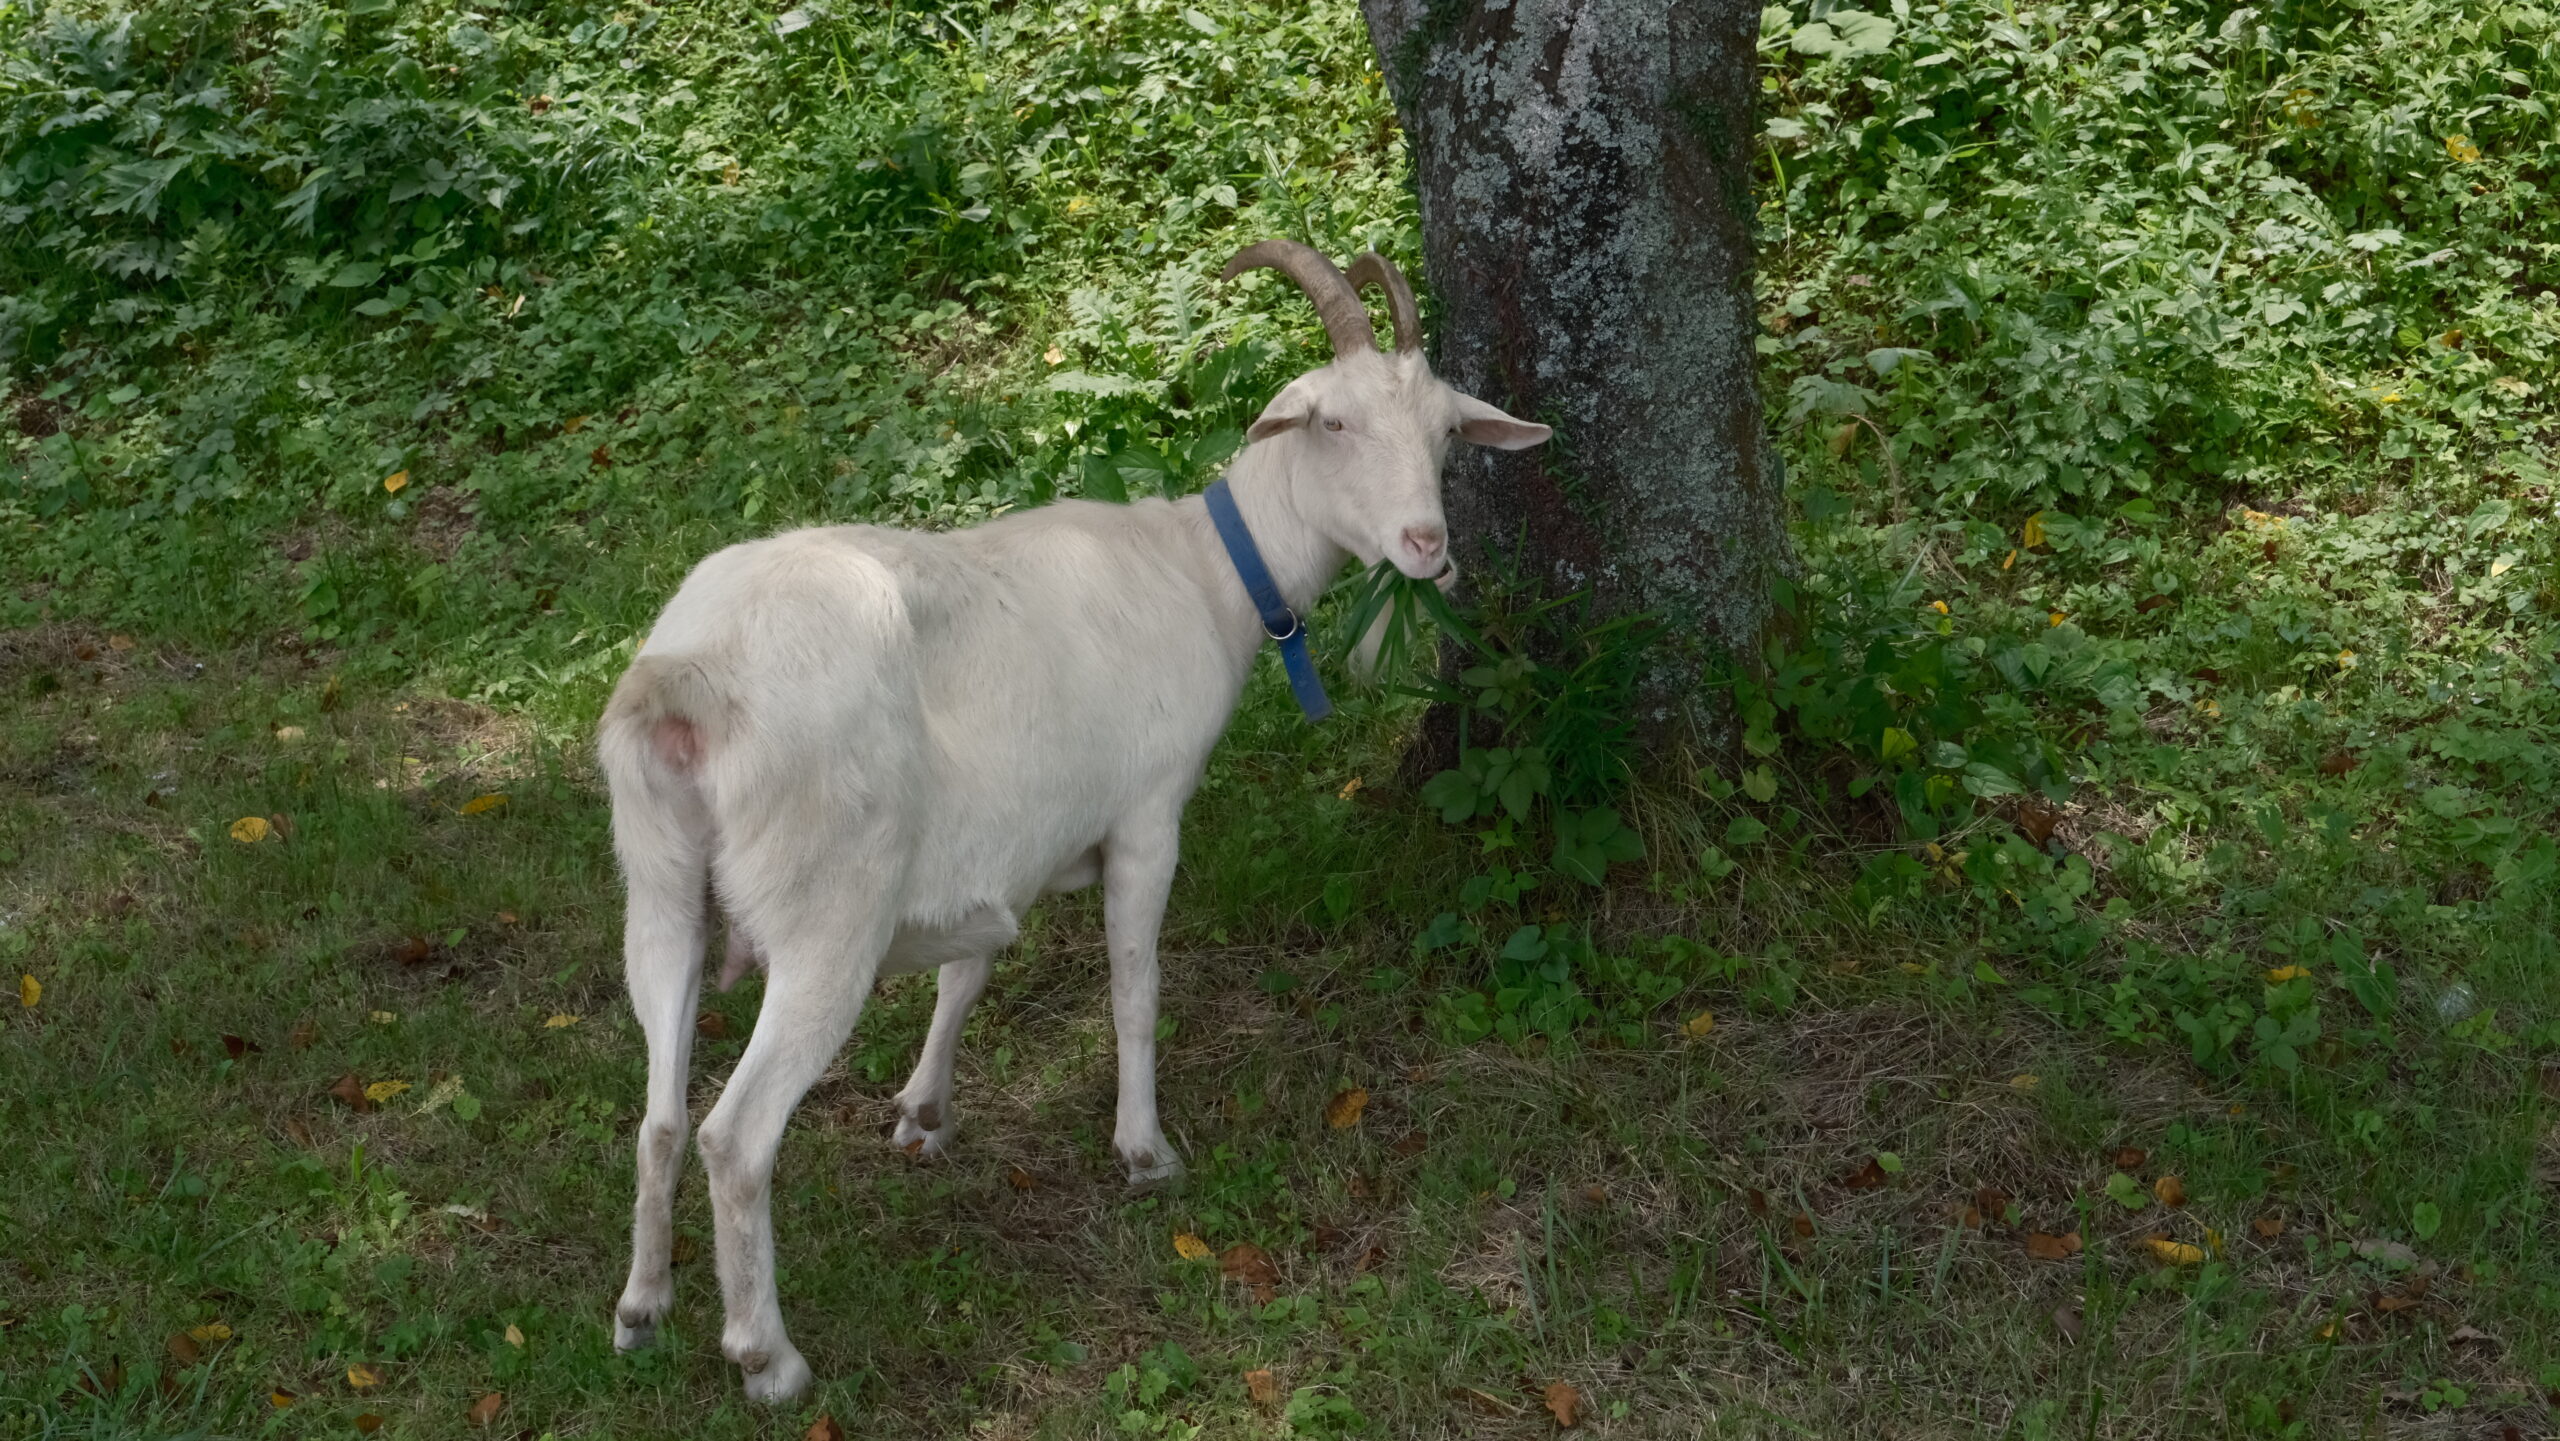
x,y
881,746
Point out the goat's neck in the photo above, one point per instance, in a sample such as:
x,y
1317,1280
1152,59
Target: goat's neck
x,y
1302,559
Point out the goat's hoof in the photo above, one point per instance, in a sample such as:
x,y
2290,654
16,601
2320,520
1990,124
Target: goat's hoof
x,y
776,1377
917,1139
1154,1168
634,1335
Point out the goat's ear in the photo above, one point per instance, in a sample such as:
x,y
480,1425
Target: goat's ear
x,y
1287,411
1481,424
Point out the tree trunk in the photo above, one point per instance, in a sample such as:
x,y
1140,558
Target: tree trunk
x,y
1587,216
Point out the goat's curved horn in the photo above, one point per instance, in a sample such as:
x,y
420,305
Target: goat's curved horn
x,y
1345,319
1371,268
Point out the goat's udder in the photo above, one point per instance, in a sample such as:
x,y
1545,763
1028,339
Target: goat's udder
x,y
676,743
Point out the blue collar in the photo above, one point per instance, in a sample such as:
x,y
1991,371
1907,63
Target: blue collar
x,y
1278,621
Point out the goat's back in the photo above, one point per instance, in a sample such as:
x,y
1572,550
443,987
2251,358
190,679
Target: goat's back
x,y
994,698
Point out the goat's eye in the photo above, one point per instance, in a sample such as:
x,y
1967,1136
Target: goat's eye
x,y
1333,425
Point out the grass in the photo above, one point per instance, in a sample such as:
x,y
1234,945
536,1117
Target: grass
x,y
2166,623
1678,1228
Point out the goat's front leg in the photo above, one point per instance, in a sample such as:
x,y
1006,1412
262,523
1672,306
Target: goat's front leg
x,y
1138,862
924,1107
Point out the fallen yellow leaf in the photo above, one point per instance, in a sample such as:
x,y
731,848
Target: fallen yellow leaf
x,y
392,483
2282,974
280,1398
1349,789
361,1376
249,830
2026,1082
2031,534
30,991
1053,355
1190,1247
382,1018
560,1020
2461,149
1698,1025
573,425
478,805
1343,1111
381,1091
119,642
2175,1253
2055,619
515,1337
2009,560
210,1332
1939,606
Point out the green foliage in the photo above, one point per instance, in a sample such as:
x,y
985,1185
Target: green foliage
x,y
2161,391
627,284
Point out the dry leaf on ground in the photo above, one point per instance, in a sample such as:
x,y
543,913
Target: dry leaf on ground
x,y
2175,1253
1698,1025
30,991
2268,1227
560,1020
369,1422
2130,1158
824,1429
2171,1191
1249,1263
2066,1319
1865,1177
1564,1403
381,1091
515,1337
351,1092
1263,1387
486,1409
478,805
363,1377
2053,1248
1190,1247
1343,1111
249,830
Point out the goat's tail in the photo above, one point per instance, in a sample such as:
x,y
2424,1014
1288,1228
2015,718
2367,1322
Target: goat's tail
x,y
666,717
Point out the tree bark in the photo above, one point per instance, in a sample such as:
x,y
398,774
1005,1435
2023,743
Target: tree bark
x,y
1587,219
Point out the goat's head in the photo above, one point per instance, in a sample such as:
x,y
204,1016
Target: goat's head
x,y
1367,433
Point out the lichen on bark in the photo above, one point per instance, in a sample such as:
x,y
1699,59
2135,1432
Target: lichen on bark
x,y
1582,168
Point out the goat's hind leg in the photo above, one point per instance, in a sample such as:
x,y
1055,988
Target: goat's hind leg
x,y
663,934
820,969
965,953
925,1119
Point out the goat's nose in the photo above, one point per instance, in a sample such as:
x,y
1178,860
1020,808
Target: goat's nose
x,y
1425,541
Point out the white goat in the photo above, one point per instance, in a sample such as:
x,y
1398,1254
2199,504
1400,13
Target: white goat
x,y
882,746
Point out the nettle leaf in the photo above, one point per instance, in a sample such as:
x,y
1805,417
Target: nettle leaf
x,y
1845,35
1455,796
